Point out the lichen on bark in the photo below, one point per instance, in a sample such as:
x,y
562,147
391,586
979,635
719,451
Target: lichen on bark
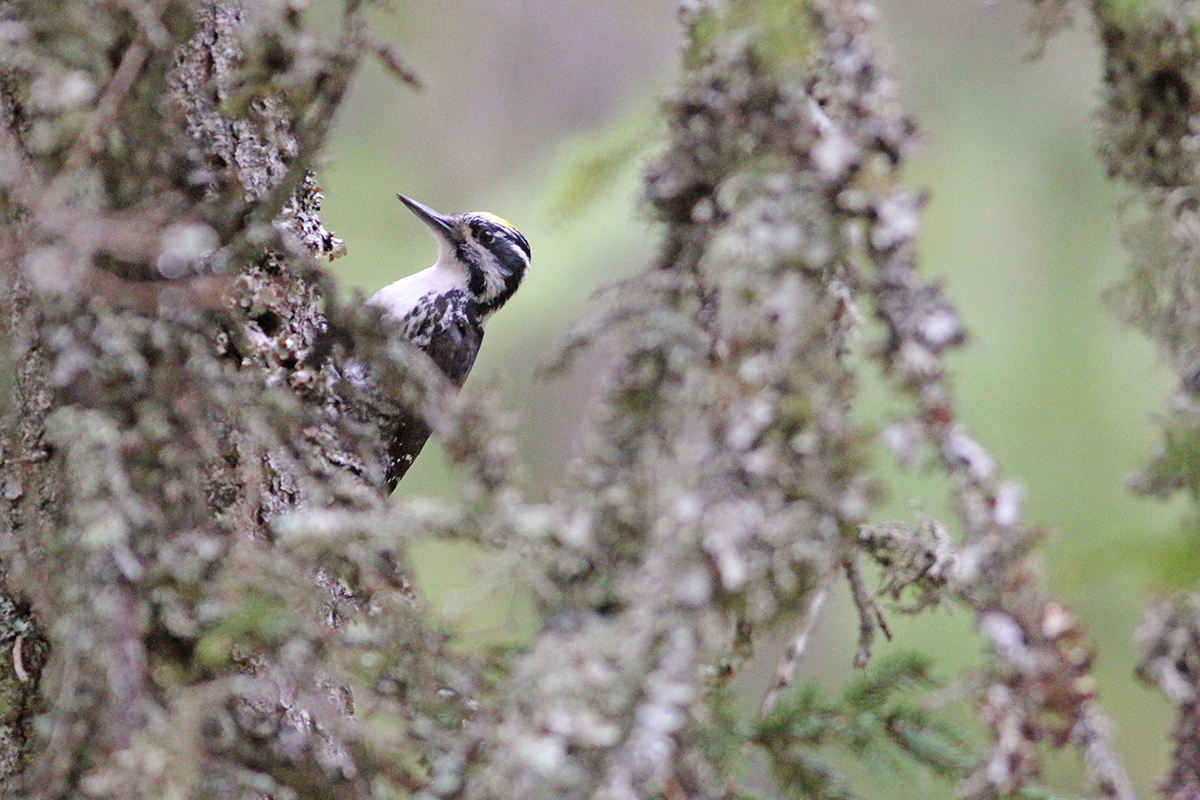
x,y
1148,140
174,397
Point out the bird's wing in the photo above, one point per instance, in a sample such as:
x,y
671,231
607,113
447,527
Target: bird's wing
x,y
453,347
406,434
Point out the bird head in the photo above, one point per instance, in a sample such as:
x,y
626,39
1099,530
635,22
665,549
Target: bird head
x,y
492,254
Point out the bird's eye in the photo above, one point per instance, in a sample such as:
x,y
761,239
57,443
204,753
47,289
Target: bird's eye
x,y
486,237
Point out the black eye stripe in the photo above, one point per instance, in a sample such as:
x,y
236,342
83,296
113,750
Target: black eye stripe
x,y
481,226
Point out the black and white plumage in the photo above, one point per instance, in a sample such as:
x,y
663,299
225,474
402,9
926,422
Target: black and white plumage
x,y
481,261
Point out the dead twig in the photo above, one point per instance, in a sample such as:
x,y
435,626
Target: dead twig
x,y
869,616
391,59
105,113
787,667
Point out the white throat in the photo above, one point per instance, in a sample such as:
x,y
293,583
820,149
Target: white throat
x,y
447,273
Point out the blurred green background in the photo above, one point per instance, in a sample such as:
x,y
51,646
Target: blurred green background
x,y
1022,229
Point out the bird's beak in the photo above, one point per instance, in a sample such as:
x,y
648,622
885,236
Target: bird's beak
x,y
439,222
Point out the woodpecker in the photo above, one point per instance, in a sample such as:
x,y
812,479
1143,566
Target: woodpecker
x,y
481,261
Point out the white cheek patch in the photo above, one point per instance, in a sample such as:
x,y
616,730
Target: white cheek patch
x,y
493,276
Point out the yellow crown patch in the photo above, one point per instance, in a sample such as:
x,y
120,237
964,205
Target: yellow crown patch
x,y
498,220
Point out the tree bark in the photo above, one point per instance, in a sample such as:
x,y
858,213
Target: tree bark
x,y
171,401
